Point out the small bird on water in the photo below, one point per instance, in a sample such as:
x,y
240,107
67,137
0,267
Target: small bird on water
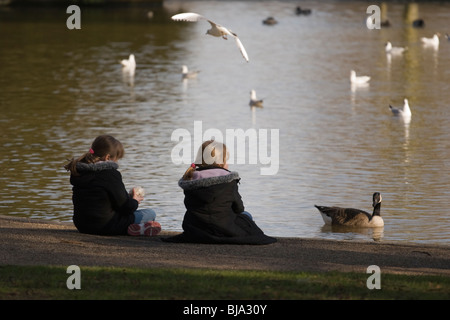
x,y
270,21
129,64
404,112
254,102
394,50
358,79
300,11
186,74
434,41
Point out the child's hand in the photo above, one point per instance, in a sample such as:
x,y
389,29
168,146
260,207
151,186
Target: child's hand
x,y
137,193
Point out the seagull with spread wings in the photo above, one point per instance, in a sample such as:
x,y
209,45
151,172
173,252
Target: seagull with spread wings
x,y
216,29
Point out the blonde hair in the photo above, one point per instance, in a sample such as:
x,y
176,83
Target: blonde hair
x,y
211,153
101,147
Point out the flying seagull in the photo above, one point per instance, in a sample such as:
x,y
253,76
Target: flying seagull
x,y
216,29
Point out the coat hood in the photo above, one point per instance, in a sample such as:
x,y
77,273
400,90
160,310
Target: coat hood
x,y
98,166
88,171
209,181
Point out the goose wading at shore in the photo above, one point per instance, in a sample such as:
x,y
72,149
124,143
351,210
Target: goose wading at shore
x,y
358,80
216,29
353,217
405,112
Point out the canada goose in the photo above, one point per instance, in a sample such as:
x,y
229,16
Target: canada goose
x,y
353,217
216,29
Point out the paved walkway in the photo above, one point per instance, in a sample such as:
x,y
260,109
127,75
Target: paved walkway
x,y
36,242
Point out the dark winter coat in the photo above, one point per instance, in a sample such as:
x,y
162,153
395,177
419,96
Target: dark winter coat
x,y
101,203
214,211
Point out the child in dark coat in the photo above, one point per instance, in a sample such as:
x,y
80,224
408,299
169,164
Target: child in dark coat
x,y
214,208
101,203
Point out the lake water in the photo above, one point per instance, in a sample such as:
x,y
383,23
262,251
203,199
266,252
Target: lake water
x,y
337,144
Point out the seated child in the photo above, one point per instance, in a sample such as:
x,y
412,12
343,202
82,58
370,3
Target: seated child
x,y
101,203
214,208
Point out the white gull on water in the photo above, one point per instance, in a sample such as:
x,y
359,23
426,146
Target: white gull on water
x,y
186,74
434,41
129,64
394,50
254,102
128,69
404,112
358,79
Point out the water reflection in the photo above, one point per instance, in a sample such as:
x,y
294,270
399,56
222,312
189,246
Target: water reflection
x,y
60,89
352,233
128,71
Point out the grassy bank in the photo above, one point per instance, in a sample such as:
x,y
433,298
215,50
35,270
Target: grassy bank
x,y
38,282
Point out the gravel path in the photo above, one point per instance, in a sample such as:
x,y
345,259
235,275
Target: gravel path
x,y
36,242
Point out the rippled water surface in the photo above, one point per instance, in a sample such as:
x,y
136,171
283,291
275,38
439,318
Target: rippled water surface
x,y
337,144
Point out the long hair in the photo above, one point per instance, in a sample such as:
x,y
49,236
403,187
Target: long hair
x,y
101,147
210,154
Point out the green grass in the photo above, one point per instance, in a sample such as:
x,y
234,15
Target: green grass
x,y
40,282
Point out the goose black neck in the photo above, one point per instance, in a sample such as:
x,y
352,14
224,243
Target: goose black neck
x,y
376,209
